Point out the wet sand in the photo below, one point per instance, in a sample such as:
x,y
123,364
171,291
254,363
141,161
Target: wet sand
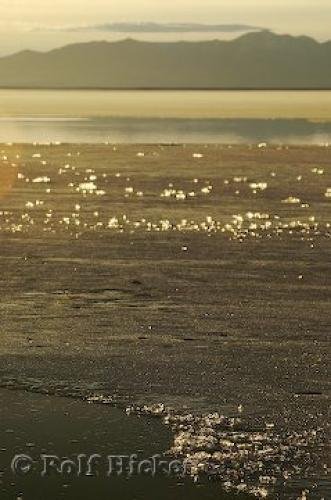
x,y
190,275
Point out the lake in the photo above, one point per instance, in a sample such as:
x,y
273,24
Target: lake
x,y
194,276
165,116
36,426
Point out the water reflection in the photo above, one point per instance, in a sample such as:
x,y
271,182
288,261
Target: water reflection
x,y
8,177
164,130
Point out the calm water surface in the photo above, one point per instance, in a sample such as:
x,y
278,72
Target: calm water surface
x,y
33,425
165,116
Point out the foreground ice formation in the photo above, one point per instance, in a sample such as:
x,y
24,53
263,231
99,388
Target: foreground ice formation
x,y
243,458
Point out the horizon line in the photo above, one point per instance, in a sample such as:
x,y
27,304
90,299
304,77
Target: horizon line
x,y
172,89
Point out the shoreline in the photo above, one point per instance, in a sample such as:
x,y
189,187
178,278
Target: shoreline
x,y
198,456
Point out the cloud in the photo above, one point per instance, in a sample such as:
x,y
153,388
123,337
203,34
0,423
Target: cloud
x,y
149,27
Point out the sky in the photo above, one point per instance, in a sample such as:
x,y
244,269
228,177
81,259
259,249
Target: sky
x,y
37,24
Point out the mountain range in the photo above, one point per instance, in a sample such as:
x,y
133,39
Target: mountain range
x,y
256,60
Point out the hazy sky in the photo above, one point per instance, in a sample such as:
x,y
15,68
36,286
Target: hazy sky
x,y
19,17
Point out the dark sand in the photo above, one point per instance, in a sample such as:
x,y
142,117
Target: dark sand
x,y
204,315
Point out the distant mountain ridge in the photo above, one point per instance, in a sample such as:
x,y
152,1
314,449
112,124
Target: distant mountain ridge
x,y
254,60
